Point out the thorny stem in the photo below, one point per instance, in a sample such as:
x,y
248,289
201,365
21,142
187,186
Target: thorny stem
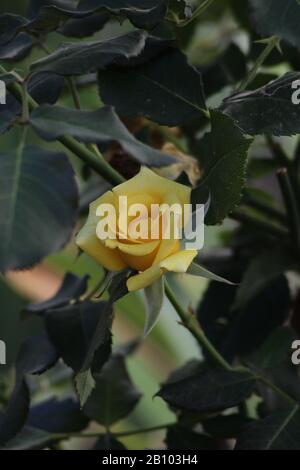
x,y
44,47
74,92
76,99
266,209
278,153
276,389
292,166
272,229
192,325
272,42
91,435
199,10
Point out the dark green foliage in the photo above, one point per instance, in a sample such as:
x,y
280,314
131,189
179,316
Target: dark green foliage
x,y
279,431
40,182
241,330
114,396
277,18
100,126
268,110
35,357
72,289
155,90
222,159
71,328
210,390
81,58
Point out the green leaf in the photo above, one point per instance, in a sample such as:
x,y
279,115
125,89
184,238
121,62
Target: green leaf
x,y
65,21
197,270
278,18
142,13
280,431
30,439
114,396
57,415
86,26
43,88
72,288
7,117
13,44
100,335
8,25
16,49
35,356
156,90
86,57
222,159
154,295
37,185
85,384
262,270
87,16
71,329
210,390
241,332
50,18
267,110
102,126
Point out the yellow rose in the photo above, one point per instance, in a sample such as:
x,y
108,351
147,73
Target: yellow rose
x,y
150,257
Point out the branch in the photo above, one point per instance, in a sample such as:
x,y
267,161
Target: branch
x,y
192,325
259,224
97,164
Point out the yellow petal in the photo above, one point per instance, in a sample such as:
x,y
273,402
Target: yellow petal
x,y
148,182
179,262
144,279
133,198
139,263
131,249
88,241
168,246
